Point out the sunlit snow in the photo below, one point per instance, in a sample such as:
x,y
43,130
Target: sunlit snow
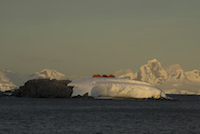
x,y
114,87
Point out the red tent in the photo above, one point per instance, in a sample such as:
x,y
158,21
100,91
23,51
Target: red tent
x,y
96,75
104,75
112,76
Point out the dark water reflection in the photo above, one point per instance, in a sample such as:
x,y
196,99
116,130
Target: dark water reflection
x,y
74,116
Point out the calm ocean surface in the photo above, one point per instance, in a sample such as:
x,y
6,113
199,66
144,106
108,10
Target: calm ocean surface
x,y
85,116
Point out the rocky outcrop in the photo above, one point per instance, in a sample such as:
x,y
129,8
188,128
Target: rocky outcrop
x,y
45,88
85,96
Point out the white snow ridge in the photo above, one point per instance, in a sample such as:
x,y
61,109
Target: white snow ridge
x,y
50,74
115,87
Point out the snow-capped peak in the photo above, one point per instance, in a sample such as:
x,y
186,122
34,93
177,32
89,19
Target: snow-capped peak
x,y
154,60
152,72
154,64
50,74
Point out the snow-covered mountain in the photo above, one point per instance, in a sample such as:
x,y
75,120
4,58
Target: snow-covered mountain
x,y
152,72
170,79
49,74
181,82
193,75
10,80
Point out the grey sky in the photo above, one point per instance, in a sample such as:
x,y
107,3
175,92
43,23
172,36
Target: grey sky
x,y
85,37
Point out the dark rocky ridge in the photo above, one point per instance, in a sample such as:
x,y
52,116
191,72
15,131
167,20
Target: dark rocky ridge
x,y
45,88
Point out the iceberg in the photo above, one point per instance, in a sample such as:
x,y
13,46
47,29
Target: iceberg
x,y
115,87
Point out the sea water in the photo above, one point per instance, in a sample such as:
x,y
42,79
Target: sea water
x,y
87,116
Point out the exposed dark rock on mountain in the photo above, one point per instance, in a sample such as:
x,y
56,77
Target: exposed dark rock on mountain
x,y
45,88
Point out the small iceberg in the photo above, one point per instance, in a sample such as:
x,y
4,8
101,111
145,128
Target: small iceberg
x,y
115,87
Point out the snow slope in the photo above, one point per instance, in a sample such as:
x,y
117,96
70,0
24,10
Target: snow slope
x,y
7,79
180,87
4,86
114,87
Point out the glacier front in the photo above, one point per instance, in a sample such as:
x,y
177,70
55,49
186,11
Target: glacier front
x,y
115,87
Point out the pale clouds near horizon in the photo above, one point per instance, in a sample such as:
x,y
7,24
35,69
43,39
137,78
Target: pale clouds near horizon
x,y
98,36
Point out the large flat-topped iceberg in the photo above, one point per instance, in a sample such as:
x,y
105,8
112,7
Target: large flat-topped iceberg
x,y
114,87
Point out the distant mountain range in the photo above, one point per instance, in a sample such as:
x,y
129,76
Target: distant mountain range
x,y
172,79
